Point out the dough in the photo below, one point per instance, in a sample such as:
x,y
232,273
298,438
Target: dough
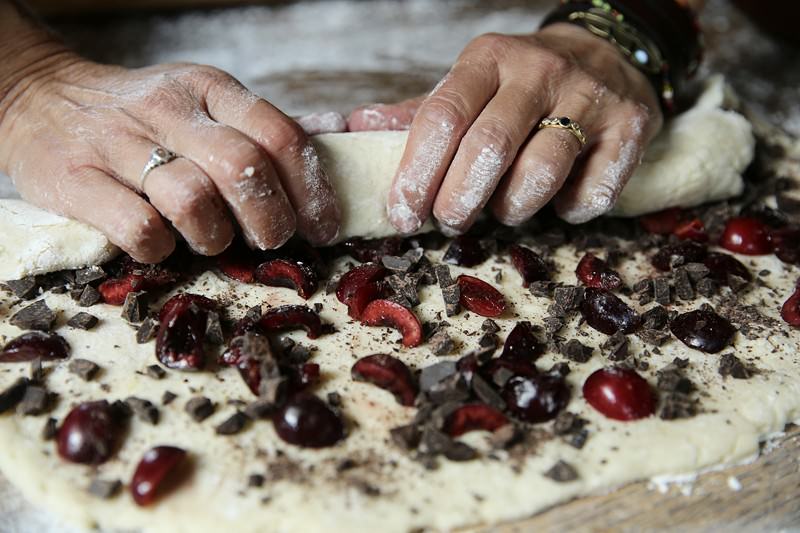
x,y
697,158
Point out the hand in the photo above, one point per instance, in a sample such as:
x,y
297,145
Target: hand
x,y
76,139
474,139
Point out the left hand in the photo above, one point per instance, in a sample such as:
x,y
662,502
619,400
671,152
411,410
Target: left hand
x,y
474,139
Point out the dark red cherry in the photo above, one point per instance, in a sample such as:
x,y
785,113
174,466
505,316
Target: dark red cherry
x,y
35,345
465,251
238,262
474,417
790,311
290,274
181,336
183,300
529,265
746,235
133,276
372,250
480,297
688,251
357,277
694,230
90,433
703,330
521,343
366,294
594,272
663,222
537,398
606,313
394,315
786,244
292,317
491,370
154,472
389,373
307,421
619,393
721,266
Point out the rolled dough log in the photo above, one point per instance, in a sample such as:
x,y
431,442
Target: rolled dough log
x,y
697,158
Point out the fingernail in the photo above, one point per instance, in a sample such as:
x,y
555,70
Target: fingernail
x,y
447,230
403,218
599,203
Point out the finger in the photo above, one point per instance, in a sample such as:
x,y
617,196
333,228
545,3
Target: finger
x,y
383,117
437,129
327,122
486,152
95,198
180,191
294,158
594,188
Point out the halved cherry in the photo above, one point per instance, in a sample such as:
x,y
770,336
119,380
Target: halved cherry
x,y
746,235
466,251
181,337
34,345
619,393
90,433
529,265
183,300
305,420
289,274
114,291
372,250
133,276
605,312
387,372
703,330
537,398
594,272
521,343
394,315
689,251
474,417
509,366
365,294
663,222
693,230
153,473
480,297
721,266
292,317
786,244
790,310
357,277
238,262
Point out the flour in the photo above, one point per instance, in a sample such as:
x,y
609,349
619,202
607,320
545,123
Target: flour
x,y
479,183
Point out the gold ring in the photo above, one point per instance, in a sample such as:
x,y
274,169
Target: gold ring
x,y
565,123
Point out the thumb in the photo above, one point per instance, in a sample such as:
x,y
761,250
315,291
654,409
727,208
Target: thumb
x,y
384,116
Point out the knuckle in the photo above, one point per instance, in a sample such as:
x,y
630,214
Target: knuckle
x,y
493,44
144,236
495,135
241,163
637,115
446,107
553,63
285,136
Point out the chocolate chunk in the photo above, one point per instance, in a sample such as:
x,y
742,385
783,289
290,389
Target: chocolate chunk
x,y
552,325
89,296
24,288
331,285
260,409
656,337
83,321
661,292
681,362
616,346
696,271
155,372
643,285
490,326
83,368
233,424
683,285
576,351
75,293
730,365
489,340
35,316
672,379
542,289
736,283
441,343
84,276
35,401
199,408
452,299
486,393
50,429
405,286
134,310
396,264
143,409
566,423
406,437
655,318
104,489
460,451
255,312
335,399
37,371
501,376
562,472
426,272
255,480
567,298
560,369
677,405
577,439
298,354
451,389
12,395
443,276
433,374
147,331
214,333
168,397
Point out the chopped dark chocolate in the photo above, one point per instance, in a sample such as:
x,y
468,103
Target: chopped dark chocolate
x,y
561,369
143,409
24,288
655,318
542,289
443,276
677,405
260,409
168,397
552,325
406,437
255,480
83,368
35,401
12,395
298,354
672,379
396,264
199,408
452,299
460,451
655,337
84,276
105,489
616,347
50,429
335,399
566,423
155,372
89,296
683,285
562,472
489,340
661,292
567,298
577,439
707,287
35,316
490,326
433,374
233,424
486,393
575,350
147,331
405,286
83,321
214,334
730,365
134,309
696,271
441,343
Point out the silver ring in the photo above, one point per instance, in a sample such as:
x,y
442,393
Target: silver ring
x,y
158,156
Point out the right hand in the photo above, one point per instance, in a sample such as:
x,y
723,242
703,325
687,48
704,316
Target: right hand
x,y
76,138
